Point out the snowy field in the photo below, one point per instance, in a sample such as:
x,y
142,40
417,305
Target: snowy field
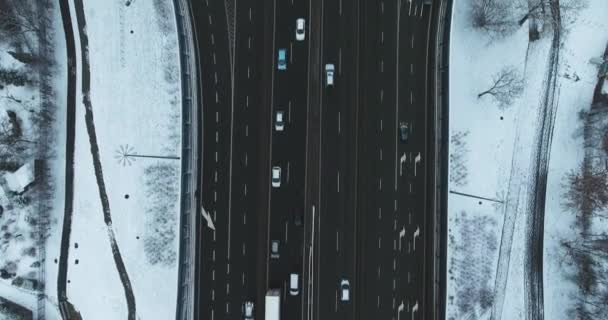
x,y
494,152
136,102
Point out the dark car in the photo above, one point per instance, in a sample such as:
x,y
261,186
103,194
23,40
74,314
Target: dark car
x,y
404,131
298,219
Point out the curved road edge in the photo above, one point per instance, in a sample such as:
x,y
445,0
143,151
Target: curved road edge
x,y
440,81
190,152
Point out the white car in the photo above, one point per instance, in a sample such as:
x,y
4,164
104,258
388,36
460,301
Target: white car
x,y
294,284
248,310
279,123
276,177
344,290
329,74
300,33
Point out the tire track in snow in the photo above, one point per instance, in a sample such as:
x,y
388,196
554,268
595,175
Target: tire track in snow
x,y
526,196
533,263
90,123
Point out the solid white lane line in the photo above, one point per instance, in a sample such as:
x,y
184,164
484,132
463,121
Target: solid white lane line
x,y
212,276
289,111
379,242
213,255
382,7
247,100
217,136
215,76
290,52
245,189
214,196
217,97
217,117
411,97
210,20
249,42
212,39
216,156
250,13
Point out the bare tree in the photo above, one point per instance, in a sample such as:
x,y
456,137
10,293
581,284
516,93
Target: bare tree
x,y
507,85
20,19
493,16
586,189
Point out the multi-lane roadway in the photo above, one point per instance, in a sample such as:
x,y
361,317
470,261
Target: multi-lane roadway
x,y
353,198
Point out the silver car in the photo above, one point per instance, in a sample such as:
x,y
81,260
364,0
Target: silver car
x,y
300,33
329,74
279,123
344,290
248,310
276,177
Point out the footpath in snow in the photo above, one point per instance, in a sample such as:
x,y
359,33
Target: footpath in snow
x,y
509,149
126,167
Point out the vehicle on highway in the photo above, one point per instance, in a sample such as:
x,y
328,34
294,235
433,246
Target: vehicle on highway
x,y
344,290
282,65
279,123
300,33
273,304
329,74
298,218
248,310
276,176
294,286
274,249
404,131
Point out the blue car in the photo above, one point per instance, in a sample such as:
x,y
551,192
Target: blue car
x,y
282,59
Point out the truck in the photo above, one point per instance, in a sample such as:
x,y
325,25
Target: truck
x,y
273,304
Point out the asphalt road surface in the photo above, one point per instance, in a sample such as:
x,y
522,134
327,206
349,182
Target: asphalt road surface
x,y
361,193
392,266
230,50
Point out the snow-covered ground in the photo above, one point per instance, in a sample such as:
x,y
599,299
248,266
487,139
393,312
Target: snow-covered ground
x,y
492,149
136,103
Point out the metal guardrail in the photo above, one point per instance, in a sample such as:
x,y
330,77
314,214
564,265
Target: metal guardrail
x,y
188,207
441,76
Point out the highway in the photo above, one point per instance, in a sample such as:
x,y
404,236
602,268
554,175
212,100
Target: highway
x,y
392,272
228,255
361,193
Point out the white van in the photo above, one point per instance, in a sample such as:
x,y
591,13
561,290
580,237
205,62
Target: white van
x,y
294,288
